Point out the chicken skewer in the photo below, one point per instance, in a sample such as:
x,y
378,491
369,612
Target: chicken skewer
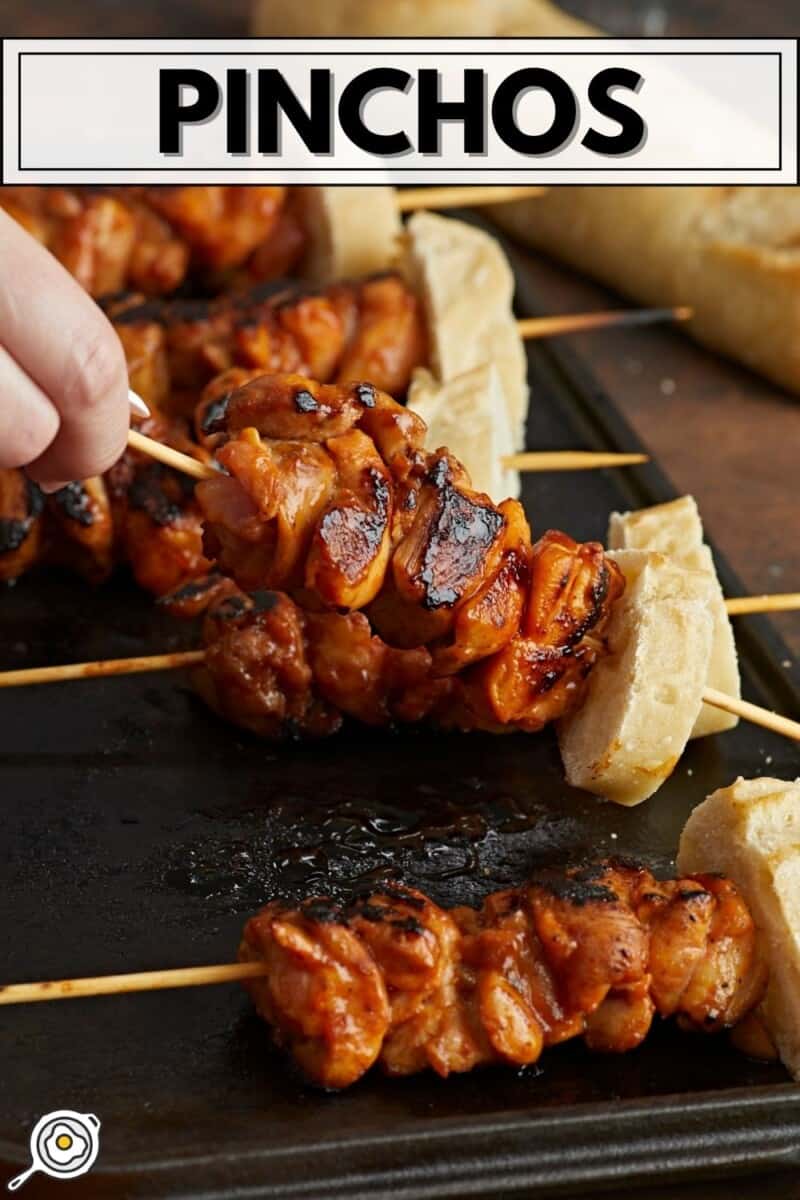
x,y
432,540
530,460
566,460
150,238
593,951
182,660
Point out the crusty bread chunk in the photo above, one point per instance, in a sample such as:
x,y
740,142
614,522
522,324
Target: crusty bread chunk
x,y
353,231
731,253
751,832
469,415
466,285
675,529
643,698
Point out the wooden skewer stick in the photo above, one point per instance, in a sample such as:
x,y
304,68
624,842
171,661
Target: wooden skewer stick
x,y
169,457
753,713
190,658
780,602
137,981
569,460
410,199
547,460
541,327
102,668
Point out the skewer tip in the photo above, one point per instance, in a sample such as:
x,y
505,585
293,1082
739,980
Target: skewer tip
x,y
137,404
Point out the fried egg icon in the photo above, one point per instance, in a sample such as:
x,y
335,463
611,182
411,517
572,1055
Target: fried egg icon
x,y
63,1146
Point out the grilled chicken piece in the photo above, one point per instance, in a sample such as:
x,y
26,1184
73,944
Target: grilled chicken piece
x,y
389,339
313,506
540,673
148,367
193,599
85,540
453,544
359,674
91,233
210,414
262,515
280,254
256,668
151,238
394,979
21,508
274,329
157,523
350,549
222,224
491,617
161,533
286,407
159,260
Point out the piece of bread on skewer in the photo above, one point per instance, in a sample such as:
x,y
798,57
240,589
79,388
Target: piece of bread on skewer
x,y
751,832
643,699
675,529
466,285
469,414
354,231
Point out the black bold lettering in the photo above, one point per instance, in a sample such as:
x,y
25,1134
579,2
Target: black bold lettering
x,y
470,111
276,97
633,131
237,115
351,104
505,103
173,115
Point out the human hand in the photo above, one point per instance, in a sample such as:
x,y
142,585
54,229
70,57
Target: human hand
x,y
63,379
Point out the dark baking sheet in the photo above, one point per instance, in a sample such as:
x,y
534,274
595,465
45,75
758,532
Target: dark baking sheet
x,y
139,832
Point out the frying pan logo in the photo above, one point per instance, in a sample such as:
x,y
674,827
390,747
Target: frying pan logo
x,y
64,1144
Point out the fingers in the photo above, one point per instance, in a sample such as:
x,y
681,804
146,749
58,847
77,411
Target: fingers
x,y
59,337
28,421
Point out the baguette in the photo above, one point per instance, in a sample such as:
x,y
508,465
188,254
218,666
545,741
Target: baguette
x,y
469,414
644,698
751,832
467,288
731,253
354,231
404,18
675,529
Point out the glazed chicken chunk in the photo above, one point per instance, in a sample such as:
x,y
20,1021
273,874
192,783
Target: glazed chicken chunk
x,y
594,952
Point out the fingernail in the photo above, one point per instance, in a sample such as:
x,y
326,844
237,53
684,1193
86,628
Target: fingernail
x,y
49,488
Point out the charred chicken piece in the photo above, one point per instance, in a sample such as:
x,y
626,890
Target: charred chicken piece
x,y
389,339
540,673
222,225
312,504
274,328
81,512
150,238
315,512
256,668
357,673
148,365
157,523
90,233
393,979
21,508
